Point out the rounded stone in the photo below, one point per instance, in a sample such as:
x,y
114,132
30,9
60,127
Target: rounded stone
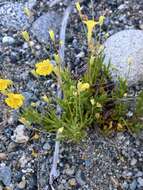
x,y
5,175
124,50
8,40
140,182
3,156
133,185
46,22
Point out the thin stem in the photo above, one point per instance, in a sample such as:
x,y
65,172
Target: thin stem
x,y
79,106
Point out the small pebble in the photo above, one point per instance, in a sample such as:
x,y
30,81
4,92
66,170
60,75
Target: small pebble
x,y
19,135
46,146
125,185
140,181
8,40
22,184
133,162
3,156
133,185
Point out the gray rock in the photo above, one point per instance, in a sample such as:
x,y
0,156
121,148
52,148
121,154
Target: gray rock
x,y
139,174
44,23
140,182
29,97
125,51
125,185
5,175
11,147
133,185
13,15
133,162
22,184
19,135
8,40
80,177
46,146
3,156
70,171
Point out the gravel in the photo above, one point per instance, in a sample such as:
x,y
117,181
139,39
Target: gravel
x,y
97,162
13,15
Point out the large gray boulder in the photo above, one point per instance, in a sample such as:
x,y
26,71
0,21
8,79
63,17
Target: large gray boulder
x,y
125,51
46,22
12,15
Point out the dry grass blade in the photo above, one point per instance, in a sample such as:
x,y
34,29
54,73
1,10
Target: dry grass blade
x,y
54,173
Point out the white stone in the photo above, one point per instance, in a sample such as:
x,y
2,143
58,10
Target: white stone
x,y
22,184
140,181
19,135
8,40
125,52
23,161
133,162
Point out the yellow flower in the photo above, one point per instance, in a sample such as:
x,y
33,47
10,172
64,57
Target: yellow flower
x,y
60,130
90,24
98,105
106,35
119,127
44,67
45,98
57,58
4,84
92,59
125,95
61,42
92,101
97,115
78,6
130,60
25,36
14,101
82,86
34,153
101,20
33,72
36,136
33,104
27,11
24,121
52,35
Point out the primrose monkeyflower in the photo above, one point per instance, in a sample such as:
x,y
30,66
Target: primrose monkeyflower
x,y
82,86
25,36
4,84
90,24
52,35
44,68
14,101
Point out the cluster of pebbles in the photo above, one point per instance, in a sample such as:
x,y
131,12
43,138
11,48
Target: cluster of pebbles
x,y
98,162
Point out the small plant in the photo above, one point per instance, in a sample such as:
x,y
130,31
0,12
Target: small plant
x,y
93,100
